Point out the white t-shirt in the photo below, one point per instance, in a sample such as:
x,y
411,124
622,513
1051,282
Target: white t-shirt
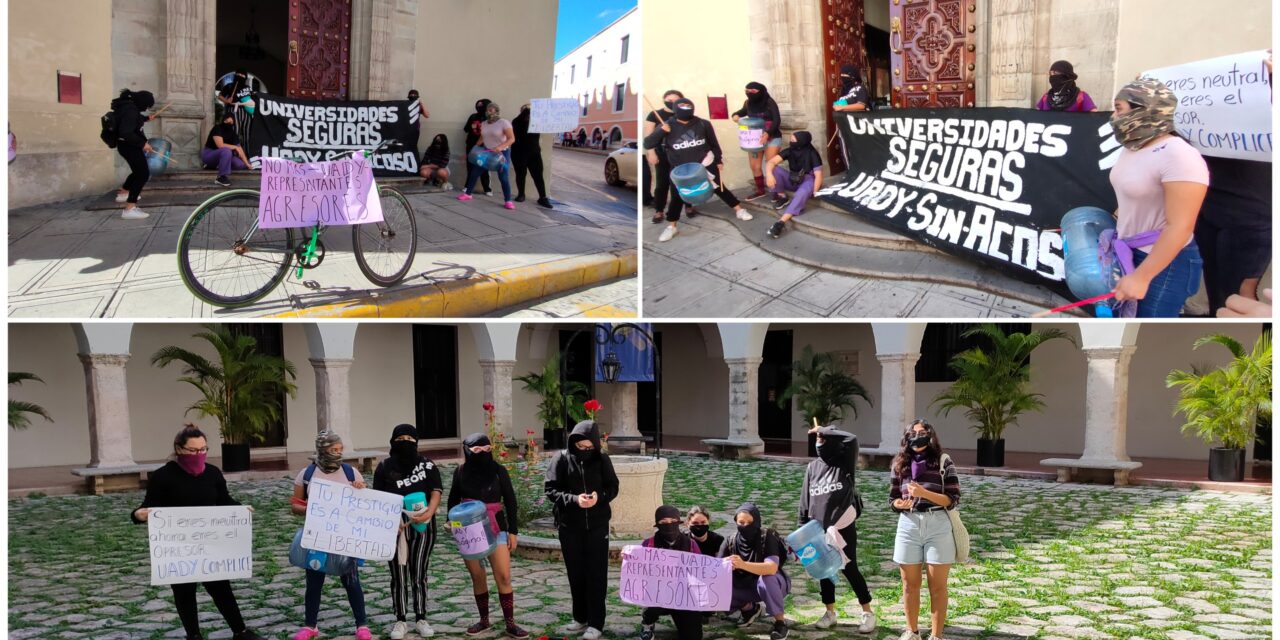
x,y
338,476
1138,179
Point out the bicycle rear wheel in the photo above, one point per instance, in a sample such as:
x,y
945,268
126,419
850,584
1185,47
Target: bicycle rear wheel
x,y
224,258
384,250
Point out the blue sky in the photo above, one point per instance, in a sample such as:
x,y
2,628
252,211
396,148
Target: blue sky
x,y
581,19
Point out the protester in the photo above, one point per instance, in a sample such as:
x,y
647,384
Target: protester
x,y
757,554
434,167
760,104
693,140
238,94
829,495
222,150
666,519
423,114
496,135
923,487
187,481
1063,94
1242,307
472,128
327,465
582,137
853,92
803,176
657,158
132,145
709,541
481,478
1160,182
596,139
580,483
403,473
527,156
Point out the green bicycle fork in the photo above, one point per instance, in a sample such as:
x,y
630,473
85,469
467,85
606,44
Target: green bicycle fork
x,y
310,251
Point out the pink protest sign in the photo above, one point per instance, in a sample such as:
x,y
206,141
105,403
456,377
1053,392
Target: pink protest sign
x,y
299,194
675,579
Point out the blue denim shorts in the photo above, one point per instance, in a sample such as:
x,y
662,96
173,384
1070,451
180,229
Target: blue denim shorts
x,y
924,536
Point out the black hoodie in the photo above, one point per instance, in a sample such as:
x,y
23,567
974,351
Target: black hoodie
x,y
480,477
129,119
472,127
568,476
526,144
828,481
762,106
687,142
802,159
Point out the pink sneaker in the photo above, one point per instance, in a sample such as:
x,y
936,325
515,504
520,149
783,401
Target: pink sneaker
x,y
306,633
510,205
363,633
464,197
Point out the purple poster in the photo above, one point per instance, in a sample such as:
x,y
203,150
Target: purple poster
x,y
675,579
299,194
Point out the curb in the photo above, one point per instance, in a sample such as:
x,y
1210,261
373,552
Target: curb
x,y
482,294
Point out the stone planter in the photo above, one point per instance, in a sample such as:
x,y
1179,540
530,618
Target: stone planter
x,y
640,481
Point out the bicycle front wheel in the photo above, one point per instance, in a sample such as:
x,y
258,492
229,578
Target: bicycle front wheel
x,y
384,250
224,258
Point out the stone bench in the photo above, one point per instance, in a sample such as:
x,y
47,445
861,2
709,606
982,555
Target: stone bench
x,y
1085,469
627,442
726,449
365,460
100,480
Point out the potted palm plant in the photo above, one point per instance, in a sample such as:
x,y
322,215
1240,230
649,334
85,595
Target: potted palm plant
x,y
993,385
240,388
19,410
1222,406
822,390
559,398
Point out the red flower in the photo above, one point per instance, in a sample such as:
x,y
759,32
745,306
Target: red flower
x,y
488,406
591,405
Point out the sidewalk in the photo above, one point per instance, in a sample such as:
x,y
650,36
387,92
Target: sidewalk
x,y
80,259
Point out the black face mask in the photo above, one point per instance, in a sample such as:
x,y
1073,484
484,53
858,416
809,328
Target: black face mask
x,y
1057,82
699,530
671,105
684,113
918,441
669,532
404,451
482,459
749,532
583,455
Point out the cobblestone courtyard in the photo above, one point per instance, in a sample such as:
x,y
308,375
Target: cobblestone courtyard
x,y
1049,561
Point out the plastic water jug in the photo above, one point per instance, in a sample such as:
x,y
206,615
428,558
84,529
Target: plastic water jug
x,y
818,557
329,563
414,503
692,183
751,134
158,159
248,104
1086,276
485,159
469,524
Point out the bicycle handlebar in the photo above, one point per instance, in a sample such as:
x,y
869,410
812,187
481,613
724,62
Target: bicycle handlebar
x,y
389,143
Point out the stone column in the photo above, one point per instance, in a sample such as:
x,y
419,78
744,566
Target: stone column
x,y
1006,54
188,77
333,397
744,396
621,414
110,441
497,389
897,398
1106,403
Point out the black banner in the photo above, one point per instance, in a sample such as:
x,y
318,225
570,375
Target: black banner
x,y
317,130
989,185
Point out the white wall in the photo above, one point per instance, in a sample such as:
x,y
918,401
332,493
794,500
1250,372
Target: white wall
x,y
607,68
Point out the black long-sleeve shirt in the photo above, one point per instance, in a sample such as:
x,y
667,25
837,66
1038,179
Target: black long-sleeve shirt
x,y
170,486
566,479
687,142
498,490
129,121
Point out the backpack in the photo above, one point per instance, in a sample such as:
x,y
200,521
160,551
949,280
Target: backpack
x,y
110,129
311,471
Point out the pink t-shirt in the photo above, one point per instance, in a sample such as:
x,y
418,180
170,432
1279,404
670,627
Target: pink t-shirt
x,y
1138,178
337,476
491,133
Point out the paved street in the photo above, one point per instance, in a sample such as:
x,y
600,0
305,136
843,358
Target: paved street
x,y
1050,561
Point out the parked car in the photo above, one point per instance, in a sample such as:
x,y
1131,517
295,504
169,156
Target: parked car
x,y
620,166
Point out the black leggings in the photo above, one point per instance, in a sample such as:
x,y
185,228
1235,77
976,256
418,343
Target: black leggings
x,y
586,560
850,571
688,623
1233,250
531,164
184,598
484,176
137,159
661,179
675,205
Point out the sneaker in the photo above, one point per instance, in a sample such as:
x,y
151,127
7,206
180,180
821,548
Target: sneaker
x,y
575,627
658,218
306,633
780,201
591,633
464,197
509,206
646,632
909,635
247,635
484,625
448,186
122,197
667,234
777,229
868,623
749,615
743,215
222,181
827,620
135,214
779,631
545,203
363,633
514,631
520,198
488,192
760,193
399,630
424,629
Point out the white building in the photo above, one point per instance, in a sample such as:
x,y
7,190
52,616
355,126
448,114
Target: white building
x,y
600,73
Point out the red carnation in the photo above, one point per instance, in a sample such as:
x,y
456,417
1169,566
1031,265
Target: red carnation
x,y
591,405
488,406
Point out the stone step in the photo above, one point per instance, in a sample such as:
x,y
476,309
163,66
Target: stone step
x,y
827,221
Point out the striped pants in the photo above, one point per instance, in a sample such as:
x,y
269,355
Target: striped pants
x,y
412,576
242,125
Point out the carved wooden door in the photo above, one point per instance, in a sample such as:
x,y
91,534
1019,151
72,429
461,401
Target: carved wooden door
x,y
319,49
932,48
842,43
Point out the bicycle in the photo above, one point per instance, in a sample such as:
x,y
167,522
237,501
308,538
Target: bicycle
x,y
225,259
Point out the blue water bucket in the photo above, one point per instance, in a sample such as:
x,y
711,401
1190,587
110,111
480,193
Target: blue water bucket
x,y
485,158
751,134
329,563
158,159
469,524
692,183
818,557
1086,275
416,501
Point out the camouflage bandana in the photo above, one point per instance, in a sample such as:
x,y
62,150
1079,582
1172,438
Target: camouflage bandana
x,y
328,462
1153,117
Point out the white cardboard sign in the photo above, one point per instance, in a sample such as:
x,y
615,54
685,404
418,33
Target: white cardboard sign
x,y
200,544
360,523
1224,104
553,115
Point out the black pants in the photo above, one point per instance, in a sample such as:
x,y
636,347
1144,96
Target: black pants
x,y
586,559
688,623
675,205
137,159
184,598
661,181
484,177
530,163
850,571
411,577
1234,249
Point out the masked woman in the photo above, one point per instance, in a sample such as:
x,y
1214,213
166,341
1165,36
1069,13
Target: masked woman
x,y
760,104
186,481
657,164
132,145
688,623
434,167
853,92
580,483
407,472
802,176
922,488
481,478
472,129
497,135
1063,94
757,554
829,496
526,154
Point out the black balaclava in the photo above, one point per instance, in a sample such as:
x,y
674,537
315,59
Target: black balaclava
x,y
228,112
832,450
850,77
668,534
481,104
1062,87
585,430
684,109
144,100
757,99
749,536
802,157
478,467
404,453
413,94
439,144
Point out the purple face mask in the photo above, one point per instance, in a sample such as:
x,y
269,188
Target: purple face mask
x,y
192,463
